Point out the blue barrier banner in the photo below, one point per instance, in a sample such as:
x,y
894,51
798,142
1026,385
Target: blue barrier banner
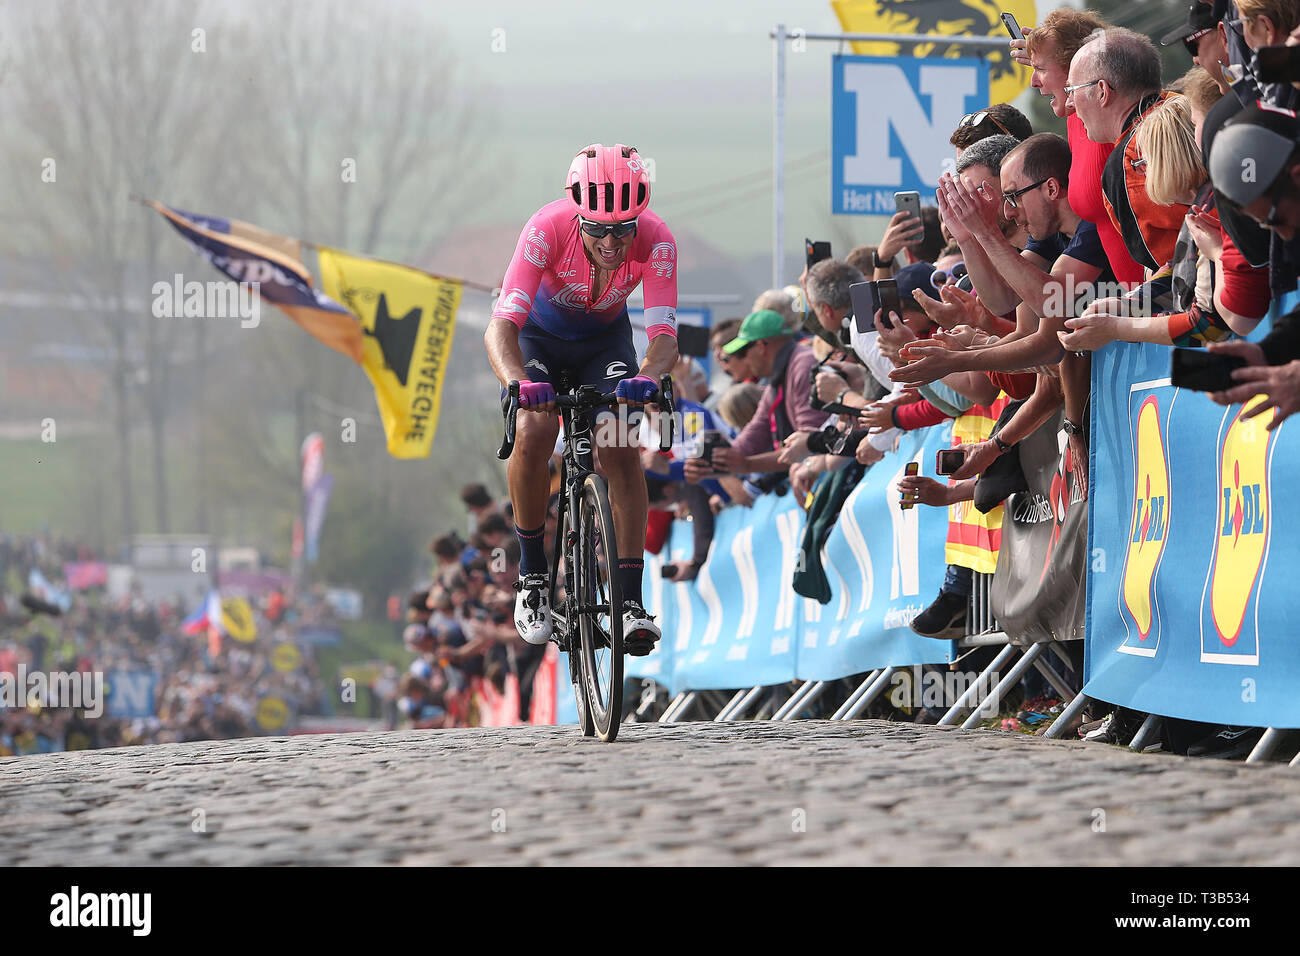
x,y
663,599
1189,592
739,626
885,565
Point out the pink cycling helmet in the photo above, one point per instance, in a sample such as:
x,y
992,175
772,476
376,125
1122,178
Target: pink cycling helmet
x,y
608,183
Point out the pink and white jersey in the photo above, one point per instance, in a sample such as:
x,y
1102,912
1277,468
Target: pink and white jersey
x,y
550,278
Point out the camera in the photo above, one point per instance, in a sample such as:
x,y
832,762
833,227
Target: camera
x,y
1277,64
814,402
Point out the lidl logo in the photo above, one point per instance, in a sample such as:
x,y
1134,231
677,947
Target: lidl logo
x,y
1148,524
1241,534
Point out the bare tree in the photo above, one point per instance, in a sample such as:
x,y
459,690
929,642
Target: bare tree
x,y
126,111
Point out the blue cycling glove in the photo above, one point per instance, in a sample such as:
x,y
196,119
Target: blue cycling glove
x,y
534,394
639,388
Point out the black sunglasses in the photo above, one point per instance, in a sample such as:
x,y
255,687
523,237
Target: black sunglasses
x,y
599,230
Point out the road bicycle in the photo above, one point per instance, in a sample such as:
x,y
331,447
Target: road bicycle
x,y
588,616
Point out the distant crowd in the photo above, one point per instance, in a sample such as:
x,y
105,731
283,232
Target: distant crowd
x,y
197,686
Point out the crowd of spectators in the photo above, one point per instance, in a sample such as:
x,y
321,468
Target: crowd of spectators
x,y
460,625
202,688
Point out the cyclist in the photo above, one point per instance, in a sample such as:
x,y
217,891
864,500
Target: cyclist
x,y
563,308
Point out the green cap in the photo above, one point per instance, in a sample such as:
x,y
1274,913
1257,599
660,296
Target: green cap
x,y
763,324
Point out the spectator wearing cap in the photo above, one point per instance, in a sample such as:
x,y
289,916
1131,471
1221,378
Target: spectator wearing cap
x,y
1204,38
1263,140
735,367
781,302
770,349
1253,165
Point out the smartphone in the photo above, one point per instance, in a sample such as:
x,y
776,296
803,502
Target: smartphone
x,y
815,252
693,340
909,497
1277,64
948,460
866,302
890,300
908,202
1009,21
710,439
1203,371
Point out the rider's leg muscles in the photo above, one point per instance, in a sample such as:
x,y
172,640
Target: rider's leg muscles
x,y
530,487
627,501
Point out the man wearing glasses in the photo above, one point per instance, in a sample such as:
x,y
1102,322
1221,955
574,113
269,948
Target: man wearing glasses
x,y
563,307
1114,84
1035,178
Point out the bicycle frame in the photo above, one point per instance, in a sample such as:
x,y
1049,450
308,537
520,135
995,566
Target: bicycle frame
x,y
575,464
578,410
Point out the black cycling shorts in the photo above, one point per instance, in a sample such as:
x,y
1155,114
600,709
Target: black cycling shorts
x,y
602,360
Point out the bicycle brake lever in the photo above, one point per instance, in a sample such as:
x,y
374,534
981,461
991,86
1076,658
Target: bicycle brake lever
x,y
508,443
666,412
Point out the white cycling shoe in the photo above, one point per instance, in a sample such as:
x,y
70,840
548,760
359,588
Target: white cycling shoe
x,y
640,633
533,608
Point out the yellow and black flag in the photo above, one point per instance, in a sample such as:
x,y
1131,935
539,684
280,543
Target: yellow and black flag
x,y
1007,79
394,321
408,318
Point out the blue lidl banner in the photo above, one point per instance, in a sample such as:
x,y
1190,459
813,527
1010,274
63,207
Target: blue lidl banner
x,y
739,619
1190,607
740,623
885,565
891,119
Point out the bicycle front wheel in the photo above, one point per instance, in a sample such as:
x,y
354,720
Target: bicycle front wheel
x,y
601,623
567,572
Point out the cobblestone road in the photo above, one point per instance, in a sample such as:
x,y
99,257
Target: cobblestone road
x,y
864,792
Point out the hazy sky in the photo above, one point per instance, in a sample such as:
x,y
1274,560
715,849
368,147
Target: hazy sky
x,y
689,82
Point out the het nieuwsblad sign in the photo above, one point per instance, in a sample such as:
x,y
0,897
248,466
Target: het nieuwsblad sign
x,y
891,118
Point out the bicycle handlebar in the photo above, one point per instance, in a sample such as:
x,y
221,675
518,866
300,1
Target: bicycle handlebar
x,y
582,399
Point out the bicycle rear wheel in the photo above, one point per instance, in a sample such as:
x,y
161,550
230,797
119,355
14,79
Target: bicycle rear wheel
x,y
601,627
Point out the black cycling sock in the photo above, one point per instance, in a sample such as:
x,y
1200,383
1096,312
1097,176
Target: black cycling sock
x,y
630,572
532,548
